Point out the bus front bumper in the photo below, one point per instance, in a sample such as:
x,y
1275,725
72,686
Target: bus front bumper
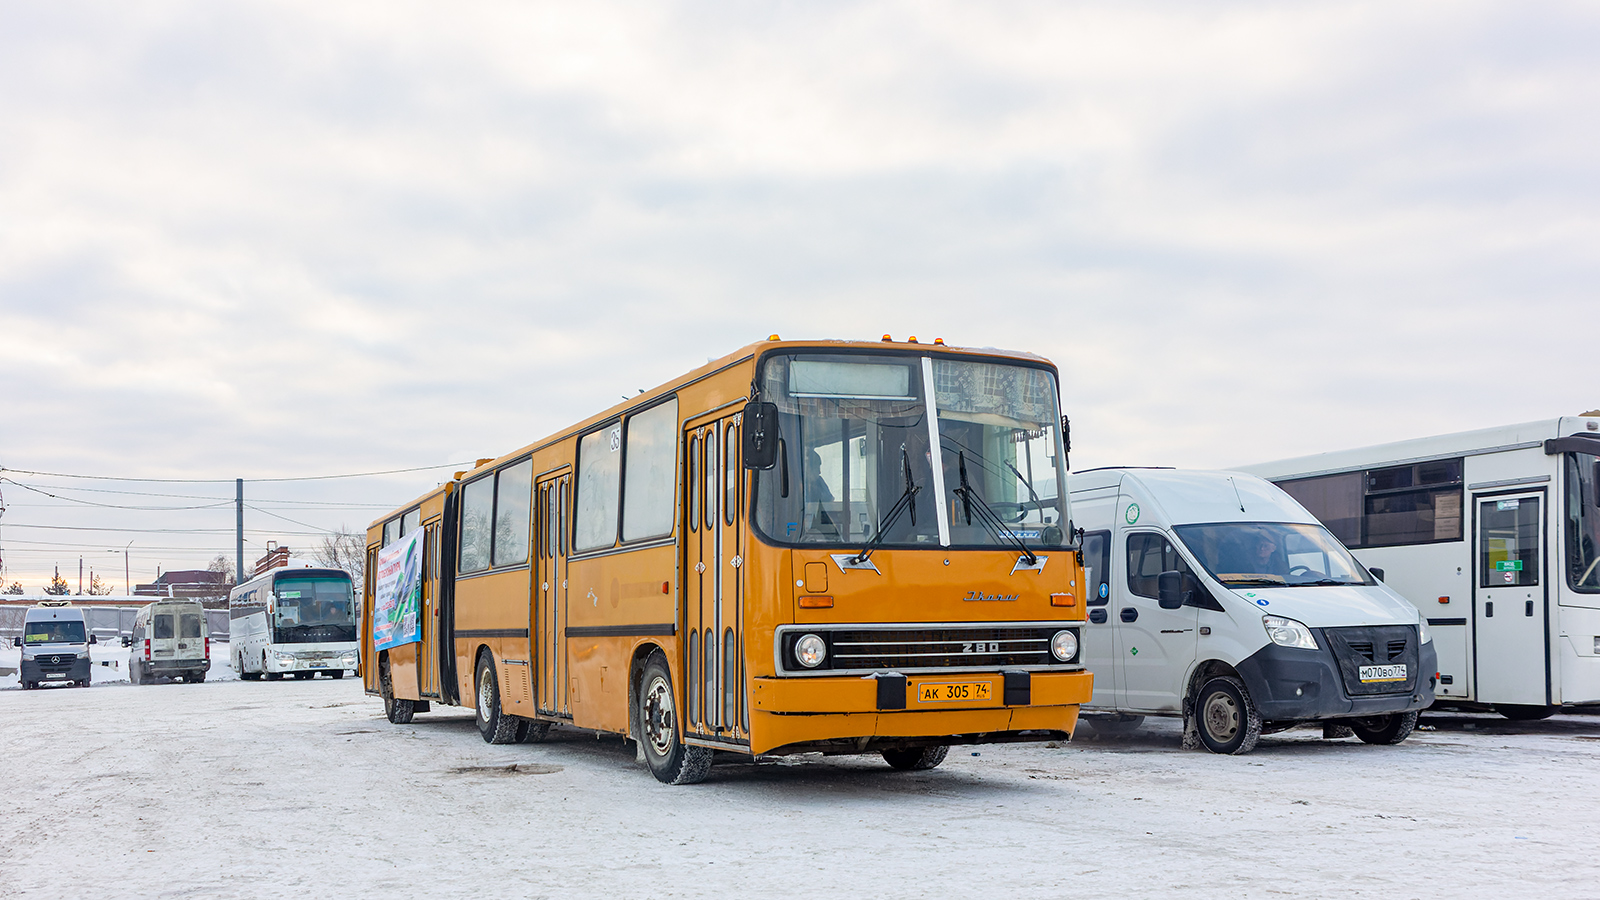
x,y
798,714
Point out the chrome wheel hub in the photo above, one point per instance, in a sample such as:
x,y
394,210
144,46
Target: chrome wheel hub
x,y
485,699
660,727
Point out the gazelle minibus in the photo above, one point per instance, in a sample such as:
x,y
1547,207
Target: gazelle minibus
x,y
1214,596
1496,535
802,546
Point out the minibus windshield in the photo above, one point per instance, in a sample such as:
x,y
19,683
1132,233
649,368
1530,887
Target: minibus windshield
x,y
311,610
852,425
54,632
1583,521
1271,554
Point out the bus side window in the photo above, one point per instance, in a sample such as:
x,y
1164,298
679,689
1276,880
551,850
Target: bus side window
x,y
1097,567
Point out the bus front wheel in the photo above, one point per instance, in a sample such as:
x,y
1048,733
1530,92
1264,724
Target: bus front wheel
x,y
670,760
495,726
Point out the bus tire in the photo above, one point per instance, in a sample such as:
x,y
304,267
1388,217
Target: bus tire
x,y
1227,721
493,723
398,711
915,759
1390,729
336,673
1524,713
670,760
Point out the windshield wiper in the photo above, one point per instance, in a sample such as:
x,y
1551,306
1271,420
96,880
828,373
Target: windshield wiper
x,y
970,501
906,502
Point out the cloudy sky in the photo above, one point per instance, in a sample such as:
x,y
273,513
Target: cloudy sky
x,y
291,239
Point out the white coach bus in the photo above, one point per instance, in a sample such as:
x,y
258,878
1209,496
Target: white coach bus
x,y
293,621
1495,535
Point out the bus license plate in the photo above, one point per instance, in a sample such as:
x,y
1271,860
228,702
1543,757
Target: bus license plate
x,y
1382,673
954,693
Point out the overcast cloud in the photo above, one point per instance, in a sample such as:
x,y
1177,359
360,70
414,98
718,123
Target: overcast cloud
x,y
267,239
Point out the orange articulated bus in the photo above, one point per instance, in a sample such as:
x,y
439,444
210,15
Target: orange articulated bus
x,y
846,547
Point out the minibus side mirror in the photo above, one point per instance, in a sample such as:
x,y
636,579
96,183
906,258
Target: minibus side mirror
x,y
760,423
94,638
1169,589
127,641
16,642
1376,572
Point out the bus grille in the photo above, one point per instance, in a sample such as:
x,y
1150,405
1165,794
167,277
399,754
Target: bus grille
x,y
928,648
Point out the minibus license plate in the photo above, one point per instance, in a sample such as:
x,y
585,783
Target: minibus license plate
x,y
954,693
1382,673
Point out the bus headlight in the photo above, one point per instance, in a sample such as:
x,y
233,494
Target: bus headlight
x,y
1064,646
810,651
1289,633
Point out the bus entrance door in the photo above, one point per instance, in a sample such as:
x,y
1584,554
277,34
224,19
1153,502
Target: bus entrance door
x,y
550,628
713,585
428,653
1509,603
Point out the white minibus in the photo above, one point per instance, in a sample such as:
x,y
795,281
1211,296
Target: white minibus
x,y
1496,534
55,645
293,621
1215,597
169,640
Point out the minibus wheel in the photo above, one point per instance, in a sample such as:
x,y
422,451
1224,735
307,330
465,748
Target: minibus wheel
x,y
196,677
1390,729
1226,719
136,674
915,759
495,726
398,711
670,760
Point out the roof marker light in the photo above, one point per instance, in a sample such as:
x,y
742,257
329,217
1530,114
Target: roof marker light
x,y
888,339
773,337
912,339
939,341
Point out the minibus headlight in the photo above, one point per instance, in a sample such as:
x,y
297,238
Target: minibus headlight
x,y
810,651
1064,646
1289,633
1422,632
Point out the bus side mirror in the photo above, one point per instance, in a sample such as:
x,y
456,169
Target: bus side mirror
x,y
1376,572
1169,589
760,435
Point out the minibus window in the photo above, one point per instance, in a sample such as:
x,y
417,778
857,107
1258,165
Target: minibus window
x,y
189,625
1148,556
1271,554
163,626
1097,566
54,632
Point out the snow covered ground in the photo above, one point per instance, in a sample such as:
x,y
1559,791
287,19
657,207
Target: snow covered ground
x,y
302,789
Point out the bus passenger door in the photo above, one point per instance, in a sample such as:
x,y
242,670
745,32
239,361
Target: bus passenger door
x,y
713,585
1508,601
550,591
428,653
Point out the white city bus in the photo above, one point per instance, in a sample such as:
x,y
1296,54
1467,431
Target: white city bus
x,y
293,621
1495,535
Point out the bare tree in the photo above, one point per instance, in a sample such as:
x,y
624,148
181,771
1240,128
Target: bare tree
x,y
344,549
223,564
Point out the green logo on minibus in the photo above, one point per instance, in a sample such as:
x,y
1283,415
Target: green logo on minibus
x,y
1508,565
1133,513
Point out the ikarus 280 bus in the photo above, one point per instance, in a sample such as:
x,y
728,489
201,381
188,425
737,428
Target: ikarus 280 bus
x,y
1495,534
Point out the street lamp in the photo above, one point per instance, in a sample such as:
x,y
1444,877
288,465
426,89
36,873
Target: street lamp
x,y
127,582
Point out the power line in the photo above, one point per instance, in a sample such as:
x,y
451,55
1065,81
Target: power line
x,y
27,487
232,480
229,499
161,530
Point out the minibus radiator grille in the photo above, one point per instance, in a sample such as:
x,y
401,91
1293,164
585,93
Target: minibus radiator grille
x,y
1376,645
911,649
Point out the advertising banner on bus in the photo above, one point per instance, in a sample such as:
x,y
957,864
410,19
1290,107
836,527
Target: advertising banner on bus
x,y
396,610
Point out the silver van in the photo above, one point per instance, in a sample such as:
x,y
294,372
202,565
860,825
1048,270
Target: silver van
x,y
55,645
169,640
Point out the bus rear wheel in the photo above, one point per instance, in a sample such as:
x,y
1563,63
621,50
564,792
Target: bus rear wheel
x,y
915,759
397,711
495,726
670,760
1525,713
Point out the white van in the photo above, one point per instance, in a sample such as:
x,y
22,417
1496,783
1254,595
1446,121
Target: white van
x,y
1216,597
55,645
169,640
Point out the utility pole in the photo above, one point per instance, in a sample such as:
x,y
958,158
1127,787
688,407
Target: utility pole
x,y
238,506
80,576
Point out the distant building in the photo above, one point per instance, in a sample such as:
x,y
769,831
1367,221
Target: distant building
x,y
192,584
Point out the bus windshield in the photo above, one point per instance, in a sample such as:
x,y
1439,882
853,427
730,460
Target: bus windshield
x,y
1583,521
1271,554
855,439
313,610
48,632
